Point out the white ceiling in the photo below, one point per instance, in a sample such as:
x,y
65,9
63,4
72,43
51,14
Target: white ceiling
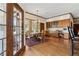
x,y
51,9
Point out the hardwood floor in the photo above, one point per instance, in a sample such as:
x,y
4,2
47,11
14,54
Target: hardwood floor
x,y
53,47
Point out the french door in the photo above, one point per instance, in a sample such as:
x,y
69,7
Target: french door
x,y
15,29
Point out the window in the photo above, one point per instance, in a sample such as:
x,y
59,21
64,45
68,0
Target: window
x,y
33,23
35,26
26,28
26,25
2,29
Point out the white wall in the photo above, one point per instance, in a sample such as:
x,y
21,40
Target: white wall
x,y
26,15
67,16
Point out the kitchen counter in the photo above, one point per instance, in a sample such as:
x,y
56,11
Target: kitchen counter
x,y
54,32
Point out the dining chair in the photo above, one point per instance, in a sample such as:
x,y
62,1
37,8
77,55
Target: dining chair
x,y
74,41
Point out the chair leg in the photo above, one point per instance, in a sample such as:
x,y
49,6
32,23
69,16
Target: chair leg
x,y
72,49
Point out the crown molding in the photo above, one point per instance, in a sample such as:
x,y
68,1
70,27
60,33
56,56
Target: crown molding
x,y
35,15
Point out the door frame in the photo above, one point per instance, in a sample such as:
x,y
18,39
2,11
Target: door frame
x,y
42,27
9,30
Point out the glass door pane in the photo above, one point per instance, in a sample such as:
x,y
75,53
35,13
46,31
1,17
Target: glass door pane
x,y
2,28
4,44
0,45
34,26
17,28
2,17
3,6
2,31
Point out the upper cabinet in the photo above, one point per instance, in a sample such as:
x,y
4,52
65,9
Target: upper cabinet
x,y
59,22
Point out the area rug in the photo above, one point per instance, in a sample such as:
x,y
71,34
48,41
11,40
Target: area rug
x,y
32,42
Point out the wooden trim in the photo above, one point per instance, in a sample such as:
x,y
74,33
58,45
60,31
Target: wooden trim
x,y
22,28
35,15
9,30
59,15
41,27
22,12
71,15
76,18
52,16
17,6
30,19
